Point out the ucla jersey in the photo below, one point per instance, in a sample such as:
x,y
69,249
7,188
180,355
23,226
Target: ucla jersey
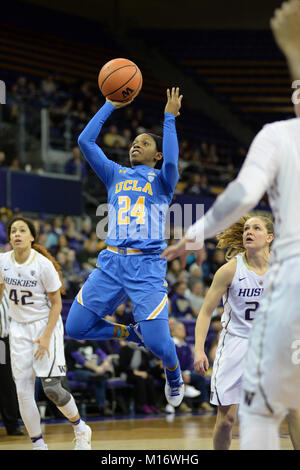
x,y
242,299
138,197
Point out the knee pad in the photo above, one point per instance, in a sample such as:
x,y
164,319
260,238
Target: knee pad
x,y
54,390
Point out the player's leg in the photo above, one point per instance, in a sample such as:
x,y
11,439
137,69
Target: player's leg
x,y
29,411
99,296
222,435
157,337
259,432
22,368
65,402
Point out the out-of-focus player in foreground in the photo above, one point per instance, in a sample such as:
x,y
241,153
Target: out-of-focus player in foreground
x,y
271,381
33,282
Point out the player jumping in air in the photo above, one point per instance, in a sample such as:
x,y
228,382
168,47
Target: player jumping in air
x,y
131,265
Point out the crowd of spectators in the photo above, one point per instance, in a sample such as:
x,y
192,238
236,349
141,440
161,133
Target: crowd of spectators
x,y
74,243
205,167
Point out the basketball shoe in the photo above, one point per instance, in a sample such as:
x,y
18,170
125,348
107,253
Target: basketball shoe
x,y
174,391
83,439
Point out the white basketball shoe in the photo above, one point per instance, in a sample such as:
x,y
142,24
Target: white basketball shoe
x,y
83,439
174,391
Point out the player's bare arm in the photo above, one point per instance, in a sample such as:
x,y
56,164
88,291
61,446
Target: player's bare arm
x,y
221,282
44,340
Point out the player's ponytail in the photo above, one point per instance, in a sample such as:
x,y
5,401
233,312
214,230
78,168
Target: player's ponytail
x,y
38,247
41,249
232,238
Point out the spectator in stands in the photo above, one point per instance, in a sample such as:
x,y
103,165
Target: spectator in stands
x,y
190,377
135,362
87,363
52,237
3,222
127,136
123,313
173,271
87,257
86,228
113,139
74,237
62,243
57,226
195,274
15,164
48,85
196,296
218,259
72,274
180,305
76,165
3,163
194,382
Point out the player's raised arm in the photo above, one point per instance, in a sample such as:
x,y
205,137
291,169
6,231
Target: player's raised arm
x,y
169,170
221,282
87,141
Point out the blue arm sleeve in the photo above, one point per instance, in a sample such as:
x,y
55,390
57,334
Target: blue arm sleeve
x,y
92,152
169,171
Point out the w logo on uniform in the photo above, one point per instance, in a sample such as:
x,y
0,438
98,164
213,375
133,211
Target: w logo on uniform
x,y
62,369
248,397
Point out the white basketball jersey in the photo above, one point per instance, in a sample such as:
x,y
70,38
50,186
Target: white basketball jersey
x,y
27,285
242,299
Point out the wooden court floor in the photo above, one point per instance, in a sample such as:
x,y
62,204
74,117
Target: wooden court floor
x,y
165,432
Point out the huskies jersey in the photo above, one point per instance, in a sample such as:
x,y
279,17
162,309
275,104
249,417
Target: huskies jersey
x,y
242,299
138,197
27,285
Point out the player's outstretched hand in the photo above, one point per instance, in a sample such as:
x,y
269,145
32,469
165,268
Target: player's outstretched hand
x,y
174,101
119,104
184,248
285,25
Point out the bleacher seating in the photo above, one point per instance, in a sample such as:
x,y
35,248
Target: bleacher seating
x,y
242,69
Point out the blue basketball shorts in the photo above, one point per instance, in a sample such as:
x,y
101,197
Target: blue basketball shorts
x,y
119,276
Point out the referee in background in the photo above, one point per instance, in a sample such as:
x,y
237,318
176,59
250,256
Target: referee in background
x,y
9,408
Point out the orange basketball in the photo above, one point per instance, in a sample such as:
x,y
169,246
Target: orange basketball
x,y
120,80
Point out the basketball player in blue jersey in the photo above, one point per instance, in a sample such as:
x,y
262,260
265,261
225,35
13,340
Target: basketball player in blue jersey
x,y
131,266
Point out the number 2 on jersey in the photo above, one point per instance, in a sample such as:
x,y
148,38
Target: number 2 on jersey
x,y
138,210
251,310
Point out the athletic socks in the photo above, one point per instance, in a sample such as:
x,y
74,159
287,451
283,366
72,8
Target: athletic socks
x,y
38,441
79,425
173,374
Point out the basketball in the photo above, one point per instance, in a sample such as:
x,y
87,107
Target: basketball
x,y
120,80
